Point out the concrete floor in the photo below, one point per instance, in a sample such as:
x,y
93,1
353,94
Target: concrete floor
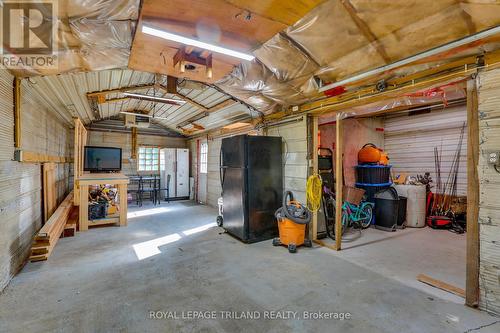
x,y
171,259
404,254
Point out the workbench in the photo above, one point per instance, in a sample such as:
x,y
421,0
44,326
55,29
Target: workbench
x,y
117,179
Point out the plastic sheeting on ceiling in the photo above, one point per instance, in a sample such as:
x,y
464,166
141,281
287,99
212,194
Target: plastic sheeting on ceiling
x,y
335,40
339,39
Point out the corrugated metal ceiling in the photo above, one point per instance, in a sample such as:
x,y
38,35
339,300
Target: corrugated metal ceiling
x,y
67,94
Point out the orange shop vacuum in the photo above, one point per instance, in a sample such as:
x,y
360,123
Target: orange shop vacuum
x,y
292,219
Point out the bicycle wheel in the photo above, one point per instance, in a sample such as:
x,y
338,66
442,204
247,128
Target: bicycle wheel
x,y
345,220
330,224
329,211
366,216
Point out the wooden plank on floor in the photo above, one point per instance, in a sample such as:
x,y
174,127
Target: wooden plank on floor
x,y
441,285
321,243
47,237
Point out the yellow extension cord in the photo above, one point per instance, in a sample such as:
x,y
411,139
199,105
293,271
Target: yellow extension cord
x,y
313,192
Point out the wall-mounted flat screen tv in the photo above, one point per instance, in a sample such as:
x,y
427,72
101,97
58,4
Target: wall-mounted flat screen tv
x,y
102,159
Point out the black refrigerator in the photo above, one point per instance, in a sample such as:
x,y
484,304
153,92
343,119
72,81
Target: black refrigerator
x,y
252,186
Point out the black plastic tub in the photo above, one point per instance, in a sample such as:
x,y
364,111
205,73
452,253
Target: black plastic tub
x,y
387,209
402,212
371,189
373,174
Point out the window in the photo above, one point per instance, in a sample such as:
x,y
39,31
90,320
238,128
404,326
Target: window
x,y
149,159
204,157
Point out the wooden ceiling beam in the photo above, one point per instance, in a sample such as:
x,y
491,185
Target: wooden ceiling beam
x,y
365,30
171,88
120,99
119,90
471,26
222,105
114,100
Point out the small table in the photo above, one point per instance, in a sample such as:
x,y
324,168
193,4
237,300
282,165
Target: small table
x,y
118,179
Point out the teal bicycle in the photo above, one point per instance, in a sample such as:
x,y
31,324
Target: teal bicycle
x,y
353,216
357,216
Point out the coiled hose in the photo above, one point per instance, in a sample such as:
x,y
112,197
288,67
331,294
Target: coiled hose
x,y
314,191
293,210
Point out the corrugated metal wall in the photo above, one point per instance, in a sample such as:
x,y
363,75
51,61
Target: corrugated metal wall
x,y
6,115
20,183
410,142
44,131
294,137
489,189
124,141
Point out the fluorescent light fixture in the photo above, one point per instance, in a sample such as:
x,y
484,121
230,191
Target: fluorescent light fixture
x,y
155,98
196,43
142,115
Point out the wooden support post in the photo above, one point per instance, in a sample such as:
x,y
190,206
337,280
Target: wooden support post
x,y
84,207
133,154
171,85
314,170
78,159
472,268
338,182
122,193
17,112
49,190
208,64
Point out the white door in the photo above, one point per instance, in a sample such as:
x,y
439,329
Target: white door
x,y
202,171
182,169
169,154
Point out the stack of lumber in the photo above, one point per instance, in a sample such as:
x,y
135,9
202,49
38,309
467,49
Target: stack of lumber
x,y
47,237
72,224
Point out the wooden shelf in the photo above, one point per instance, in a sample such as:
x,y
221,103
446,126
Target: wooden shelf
x,y
118,179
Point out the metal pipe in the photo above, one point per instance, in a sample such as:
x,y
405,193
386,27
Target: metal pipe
x,y
284,122
443,48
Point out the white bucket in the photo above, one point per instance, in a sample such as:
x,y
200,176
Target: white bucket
x,y
415,208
